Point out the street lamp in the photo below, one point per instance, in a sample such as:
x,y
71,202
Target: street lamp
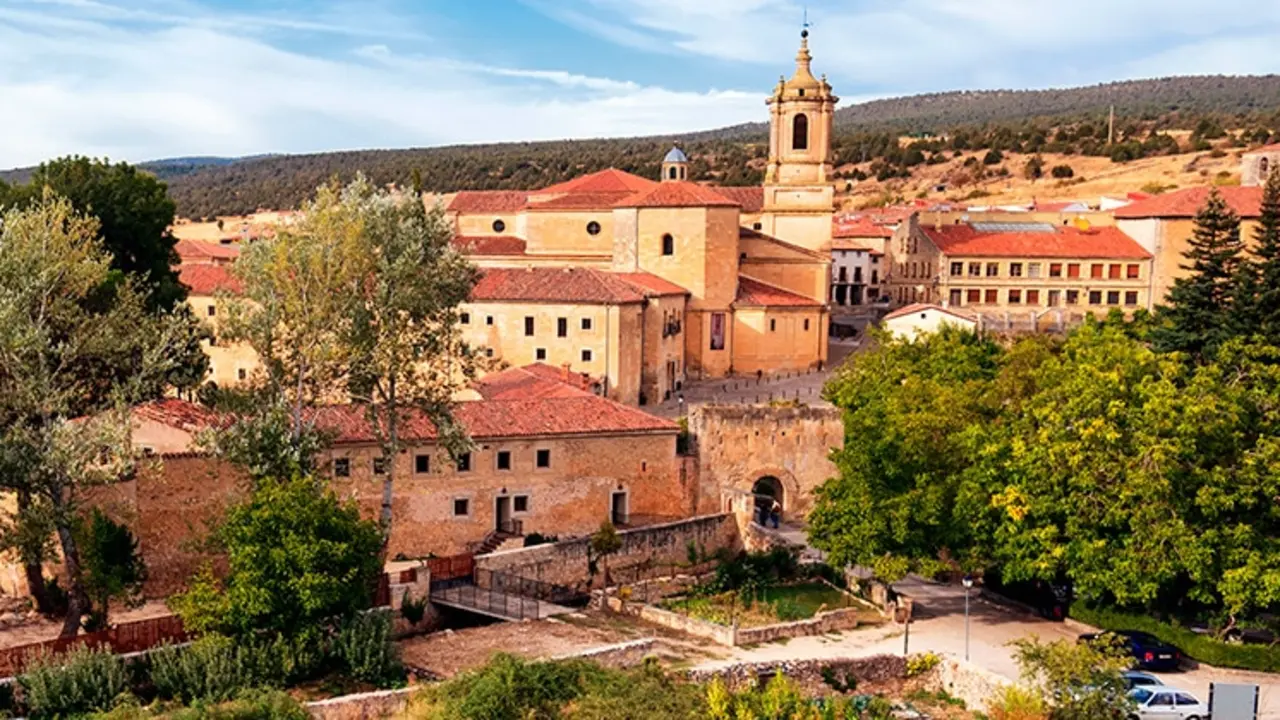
x,y
968,583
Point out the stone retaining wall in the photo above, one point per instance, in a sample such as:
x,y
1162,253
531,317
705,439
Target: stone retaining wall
x,y
363,706
972,684
871,669
619,655
684,623
820,624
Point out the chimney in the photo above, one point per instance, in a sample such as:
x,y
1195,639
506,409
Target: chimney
x,y
564,372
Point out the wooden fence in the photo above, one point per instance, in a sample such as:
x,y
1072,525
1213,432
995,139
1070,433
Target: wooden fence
x,y
123,638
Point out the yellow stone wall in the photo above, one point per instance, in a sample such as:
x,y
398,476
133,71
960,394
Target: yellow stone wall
x,y
661,353
1167,239
566,232
705,257
482,223
800,215
230,364
778,339
804,273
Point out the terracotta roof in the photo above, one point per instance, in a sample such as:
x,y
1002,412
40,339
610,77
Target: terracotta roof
x,y
1063,242
924,307
489,244
533,381
843,244
754,293
177,413
578,415
207,279
859,228
550,284
750,198
651,284
579,201
1245,201
678,194
197,250
611,180
488,201
1273,147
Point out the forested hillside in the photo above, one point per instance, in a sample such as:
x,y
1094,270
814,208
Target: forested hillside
x,y
1069,121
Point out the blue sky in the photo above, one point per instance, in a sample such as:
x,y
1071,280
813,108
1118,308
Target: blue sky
x,y
143,79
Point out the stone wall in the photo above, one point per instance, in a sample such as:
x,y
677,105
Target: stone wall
x,y
565,562
972,684
380,704
820,624
739,444
619,655
723,634
869,670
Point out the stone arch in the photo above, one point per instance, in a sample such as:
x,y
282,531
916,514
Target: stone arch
x,y
800,132
790,488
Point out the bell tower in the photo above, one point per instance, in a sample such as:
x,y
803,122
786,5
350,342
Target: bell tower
x,y
675,166
799,199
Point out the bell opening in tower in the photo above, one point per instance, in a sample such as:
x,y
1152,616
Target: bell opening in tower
x,y
800,132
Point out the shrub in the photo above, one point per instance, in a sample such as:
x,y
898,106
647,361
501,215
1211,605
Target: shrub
x,y
217,668
113,567
249,705
1062,172
77,683
993,157
1014,702
365,649
414,610
1201,647
921,663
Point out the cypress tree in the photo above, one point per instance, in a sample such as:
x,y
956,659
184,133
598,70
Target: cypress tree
x,y
1198,316
1266,310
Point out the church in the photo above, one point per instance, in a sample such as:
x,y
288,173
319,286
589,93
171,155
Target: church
x,y
639,285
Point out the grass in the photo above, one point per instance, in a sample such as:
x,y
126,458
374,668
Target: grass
x,y
780,603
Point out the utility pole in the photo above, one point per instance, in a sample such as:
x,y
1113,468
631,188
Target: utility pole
x,y
1111,126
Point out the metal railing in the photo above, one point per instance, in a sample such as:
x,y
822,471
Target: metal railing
x,y
524,587
505,595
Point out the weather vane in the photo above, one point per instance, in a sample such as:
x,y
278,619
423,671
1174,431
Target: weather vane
x,y
804,27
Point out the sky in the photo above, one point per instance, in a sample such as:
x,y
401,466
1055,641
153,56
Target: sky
x,y
138,80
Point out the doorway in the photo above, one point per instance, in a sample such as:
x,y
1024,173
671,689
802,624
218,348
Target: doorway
x,y
618,508
769,499
502,513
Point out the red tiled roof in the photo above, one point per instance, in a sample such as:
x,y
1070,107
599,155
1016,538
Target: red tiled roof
x,y
177,413
651,284
207,279
1063,242
579,201
843,244
197,250
862,227
1245,201
488,201
1273,147
533,381
749,198
611,180
753,293
924,307
583,414
489,245
550,284
678,194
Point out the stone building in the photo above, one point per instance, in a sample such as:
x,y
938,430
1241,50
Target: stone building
x,y
857,267
230,364
912,321
1020,275
1258,164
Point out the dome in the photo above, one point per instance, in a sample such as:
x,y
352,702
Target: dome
x,y
676,156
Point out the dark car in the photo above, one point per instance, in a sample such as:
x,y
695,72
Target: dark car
x,y
1050,600
1149,652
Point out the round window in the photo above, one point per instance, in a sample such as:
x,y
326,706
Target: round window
x,y
499,226
593,228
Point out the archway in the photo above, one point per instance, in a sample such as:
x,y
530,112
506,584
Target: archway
x,y
768,492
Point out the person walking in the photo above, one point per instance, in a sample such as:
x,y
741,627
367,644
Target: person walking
x,y
775,512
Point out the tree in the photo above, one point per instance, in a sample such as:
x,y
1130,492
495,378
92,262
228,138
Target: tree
x,y
993,157
73,356
113,567
1078,681
1063,172
134,214
297,558
1199,316
603,543
1265,276
1034,169
265,442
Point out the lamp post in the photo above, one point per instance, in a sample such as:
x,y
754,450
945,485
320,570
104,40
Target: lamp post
x,y
968,583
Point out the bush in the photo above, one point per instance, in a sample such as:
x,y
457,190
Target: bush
x,y
365,649
1062,172
921,663
77,683
249,705
1014,702
216,668
993,157
1201,647
414,610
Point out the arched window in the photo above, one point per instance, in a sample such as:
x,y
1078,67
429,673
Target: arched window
x,y
800,132
1262,167
668,245
674,172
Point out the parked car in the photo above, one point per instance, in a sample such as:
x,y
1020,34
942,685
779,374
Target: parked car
x,y
1049,600
1136,678
1166,703
1148,651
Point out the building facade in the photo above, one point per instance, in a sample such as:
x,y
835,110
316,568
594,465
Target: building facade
x,y
1258,164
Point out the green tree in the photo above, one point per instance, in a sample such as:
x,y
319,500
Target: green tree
x,y
1078,681
297,559
603,543
1034,169
265,442
113,567
71,360
134,214
1199,316
1265,277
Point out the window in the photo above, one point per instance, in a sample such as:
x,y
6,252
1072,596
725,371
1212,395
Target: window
x,y
806,324
562,327
668,245
875,275
1055,270
1183,698
540,354
593,228
465,318
800,132
1132,272
1055,297
957,269
1095,271
461,507
586,323
242,373
464,462
586,356
757,226
342,467
488,319
1073,297
1015,269
1033,270
992,297
1113,272
1033,297
1131,298
488,352
993,269
672,172
1073,270
1163,698
955,296
520,503
380,466
975,269
773,325
499,226
212,311
504,459
717,331
528,326
422,464
1095,297
543,459
1113,297
973,297
1015,297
